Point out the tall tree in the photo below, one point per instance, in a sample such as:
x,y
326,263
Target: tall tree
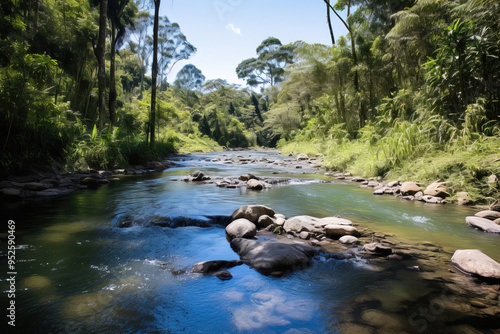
x,y
101,48
154,72
118,22
329,21
173,47
269,67
143,43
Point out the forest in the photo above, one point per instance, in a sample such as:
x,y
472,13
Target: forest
x,y
411,92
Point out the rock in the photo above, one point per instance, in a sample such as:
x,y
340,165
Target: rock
x,y
495,206
483,224
377,248
409,188
54,192
91,182
463,198
207,267
197,176
265,221
279,219
393,184
10,192
474,262
241,228
302,156
255,184
273,258
223,275
348,239
312,224
437,189
493,179
379,191
36,186
488,214
305,235
497,221
156,165
252,212
432,199
247,177
373,184
337,231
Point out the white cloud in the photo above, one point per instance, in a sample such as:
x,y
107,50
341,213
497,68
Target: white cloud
x,y
231,26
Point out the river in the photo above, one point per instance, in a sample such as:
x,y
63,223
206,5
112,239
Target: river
x,y
78,272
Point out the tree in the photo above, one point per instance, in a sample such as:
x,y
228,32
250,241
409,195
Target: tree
x,y
329,21
190,77
144,42
118,21
269,67
101,48
152,118
255,102
173,47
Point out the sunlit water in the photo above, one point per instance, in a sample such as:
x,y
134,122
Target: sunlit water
x,y
80,273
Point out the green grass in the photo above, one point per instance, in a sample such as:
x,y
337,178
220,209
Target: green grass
x,y
462,167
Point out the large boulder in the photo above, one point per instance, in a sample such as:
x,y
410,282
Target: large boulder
x,y
409,188
337,231
483,224
241,228
273,258
252,212
437,189
312,224
207,267
264,221
474,262
488,214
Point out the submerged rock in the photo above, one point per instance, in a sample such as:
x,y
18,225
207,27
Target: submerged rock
x,y
474,262
252,212
273,258
378,249
241,228
223,275
483,224
207,267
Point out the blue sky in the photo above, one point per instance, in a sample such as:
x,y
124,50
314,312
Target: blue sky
x,y
226,32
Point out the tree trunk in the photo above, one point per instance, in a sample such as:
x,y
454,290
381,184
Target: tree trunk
x,y
330,22
101,48
112,75
154,73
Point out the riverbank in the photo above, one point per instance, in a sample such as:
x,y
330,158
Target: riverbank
x,y
474,169
50,184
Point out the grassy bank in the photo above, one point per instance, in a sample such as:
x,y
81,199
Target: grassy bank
x,y
463,167
101,153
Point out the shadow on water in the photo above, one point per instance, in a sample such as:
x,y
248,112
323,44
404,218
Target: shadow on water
x,y
118,259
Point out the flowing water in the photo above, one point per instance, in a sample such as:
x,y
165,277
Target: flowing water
x,y
78,272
